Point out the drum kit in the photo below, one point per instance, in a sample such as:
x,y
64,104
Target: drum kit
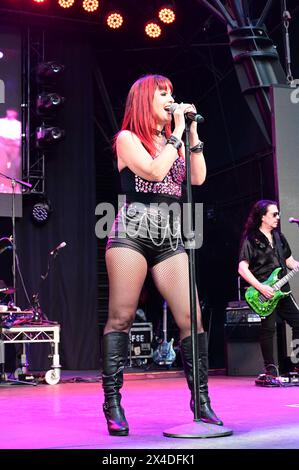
x,y
5,244
10,315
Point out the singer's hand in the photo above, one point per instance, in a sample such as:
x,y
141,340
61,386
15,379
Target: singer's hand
x,y
179,113
178,116
193,127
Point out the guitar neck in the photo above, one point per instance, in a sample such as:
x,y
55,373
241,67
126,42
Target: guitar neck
x,y
285,279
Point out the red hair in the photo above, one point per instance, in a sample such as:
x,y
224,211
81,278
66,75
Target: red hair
x,y
139,117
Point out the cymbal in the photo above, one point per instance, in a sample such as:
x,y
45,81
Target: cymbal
x,y
7,290
5,243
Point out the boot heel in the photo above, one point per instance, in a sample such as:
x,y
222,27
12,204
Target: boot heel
x,y
116,420
112,432
208,415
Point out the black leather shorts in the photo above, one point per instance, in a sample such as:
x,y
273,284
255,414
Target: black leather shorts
x,y
149,229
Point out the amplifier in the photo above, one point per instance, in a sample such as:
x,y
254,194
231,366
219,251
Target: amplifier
x,y
140,338
239,312
242,348
243,358
244,332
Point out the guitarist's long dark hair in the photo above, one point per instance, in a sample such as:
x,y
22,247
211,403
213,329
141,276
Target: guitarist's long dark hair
x,y
254,219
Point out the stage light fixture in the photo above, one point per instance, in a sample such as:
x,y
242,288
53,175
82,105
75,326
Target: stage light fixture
x,y
41,212
153,30
166,15
49,70
46,135
39,1
66,3
48,102
114,20
90,5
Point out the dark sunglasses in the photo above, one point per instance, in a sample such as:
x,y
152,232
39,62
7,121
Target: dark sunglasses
x,y
275,214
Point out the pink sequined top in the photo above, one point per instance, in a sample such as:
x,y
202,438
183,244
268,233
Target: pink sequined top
x,y
170,186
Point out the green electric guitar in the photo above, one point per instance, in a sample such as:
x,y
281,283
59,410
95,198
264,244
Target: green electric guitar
x,y
259,303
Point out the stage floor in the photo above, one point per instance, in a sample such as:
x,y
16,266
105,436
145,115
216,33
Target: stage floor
x,y
69,415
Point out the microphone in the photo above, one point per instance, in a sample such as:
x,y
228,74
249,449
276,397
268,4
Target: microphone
x,y
189,114
62,245
293,221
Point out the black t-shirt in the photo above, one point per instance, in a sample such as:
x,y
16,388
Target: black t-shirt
x,y
260,255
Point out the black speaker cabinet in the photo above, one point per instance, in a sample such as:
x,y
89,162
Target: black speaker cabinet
x,y
243,353
242,332
243,359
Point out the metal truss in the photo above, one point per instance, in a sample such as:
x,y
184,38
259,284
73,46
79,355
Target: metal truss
x,y
31,334
33,158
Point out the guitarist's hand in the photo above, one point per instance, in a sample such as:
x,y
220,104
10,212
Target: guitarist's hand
x,y
266,291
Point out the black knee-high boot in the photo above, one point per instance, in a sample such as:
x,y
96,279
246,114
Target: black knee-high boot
x,y
115,354
206,412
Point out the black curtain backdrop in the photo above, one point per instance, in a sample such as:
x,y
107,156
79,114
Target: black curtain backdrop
x,y
69,294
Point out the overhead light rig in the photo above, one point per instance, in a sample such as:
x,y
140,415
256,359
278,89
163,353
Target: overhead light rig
x,y
114,15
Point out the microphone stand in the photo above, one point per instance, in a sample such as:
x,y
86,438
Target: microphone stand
x,y
197,428
38,315
14,181
286,40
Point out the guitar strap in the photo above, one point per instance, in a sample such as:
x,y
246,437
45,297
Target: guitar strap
x,y
280,250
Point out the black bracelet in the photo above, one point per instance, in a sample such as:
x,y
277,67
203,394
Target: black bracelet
x,y
173,140
198,148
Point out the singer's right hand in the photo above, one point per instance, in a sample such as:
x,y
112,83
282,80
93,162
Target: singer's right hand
x,y
179,113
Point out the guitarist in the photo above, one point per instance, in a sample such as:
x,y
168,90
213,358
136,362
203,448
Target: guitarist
x,y
264,248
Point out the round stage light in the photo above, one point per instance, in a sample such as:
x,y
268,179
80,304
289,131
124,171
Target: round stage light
x,y
41,212
167,15
115,20
39,1
90,5
66,3
153,30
